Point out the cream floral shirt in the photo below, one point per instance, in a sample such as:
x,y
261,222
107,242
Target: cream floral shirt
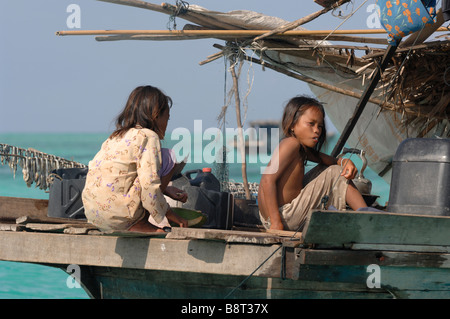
x,y
123,181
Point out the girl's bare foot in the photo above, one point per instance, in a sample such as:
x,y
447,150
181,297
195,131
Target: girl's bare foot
x,y
145,227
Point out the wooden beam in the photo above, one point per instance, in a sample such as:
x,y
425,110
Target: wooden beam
x,y
197,256
49,220
11,227
57,227
218,33
381,258
340,228
12,208
343,38
236,236
138,4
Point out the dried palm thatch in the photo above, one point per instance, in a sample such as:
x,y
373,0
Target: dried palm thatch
x,y
418,85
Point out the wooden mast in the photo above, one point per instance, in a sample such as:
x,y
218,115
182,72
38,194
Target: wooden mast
x,y
363,101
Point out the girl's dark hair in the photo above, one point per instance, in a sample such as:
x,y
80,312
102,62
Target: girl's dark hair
x,y
143,107
295,108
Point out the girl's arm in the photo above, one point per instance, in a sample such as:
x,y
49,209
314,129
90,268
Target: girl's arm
x,y
148,163
349,169
267,198
152,196
285,154
176,194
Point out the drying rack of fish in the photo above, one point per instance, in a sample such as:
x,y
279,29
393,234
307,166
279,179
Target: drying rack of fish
x,y
36,166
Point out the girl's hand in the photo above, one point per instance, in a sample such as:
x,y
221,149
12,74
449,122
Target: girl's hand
x,y
176,219
349,169
176,194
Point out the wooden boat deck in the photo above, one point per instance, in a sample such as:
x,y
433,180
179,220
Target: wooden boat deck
x,y
333,257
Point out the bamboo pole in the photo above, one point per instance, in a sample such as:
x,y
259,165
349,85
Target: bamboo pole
x,y
345,38
140,37
221,33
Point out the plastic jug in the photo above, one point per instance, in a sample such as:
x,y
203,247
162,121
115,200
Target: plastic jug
x,y
204,179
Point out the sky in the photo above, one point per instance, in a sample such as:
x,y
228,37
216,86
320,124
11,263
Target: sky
x,y
51,83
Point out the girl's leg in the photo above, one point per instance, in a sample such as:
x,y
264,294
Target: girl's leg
x,y
145,226
354,198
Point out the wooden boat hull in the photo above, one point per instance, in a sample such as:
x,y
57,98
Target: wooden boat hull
x,y
315,282
202,269
338,255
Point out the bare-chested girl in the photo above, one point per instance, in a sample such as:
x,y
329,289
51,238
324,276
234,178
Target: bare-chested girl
x,y
284,201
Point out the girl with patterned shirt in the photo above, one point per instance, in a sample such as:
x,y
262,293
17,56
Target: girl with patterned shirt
x,y
123,187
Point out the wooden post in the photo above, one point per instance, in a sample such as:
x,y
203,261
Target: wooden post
x,y
241,142
363,101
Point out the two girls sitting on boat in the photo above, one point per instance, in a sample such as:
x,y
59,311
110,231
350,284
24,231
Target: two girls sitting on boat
x,y
129,176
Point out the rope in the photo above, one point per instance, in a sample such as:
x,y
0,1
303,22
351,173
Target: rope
x,y
346,18
251,275
283,264
181,8
339,15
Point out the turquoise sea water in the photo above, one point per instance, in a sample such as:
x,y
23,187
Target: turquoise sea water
x,y
26,281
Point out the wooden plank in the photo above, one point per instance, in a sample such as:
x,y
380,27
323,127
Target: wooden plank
x,y
400,282
340,228
411,248
49,220
261,229
132,284
380,258
284,233
230,236
76,230
11,227
126,233
55,227
14,207
199,256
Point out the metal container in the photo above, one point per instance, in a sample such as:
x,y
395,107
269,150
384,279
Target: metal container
x,y
420,182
